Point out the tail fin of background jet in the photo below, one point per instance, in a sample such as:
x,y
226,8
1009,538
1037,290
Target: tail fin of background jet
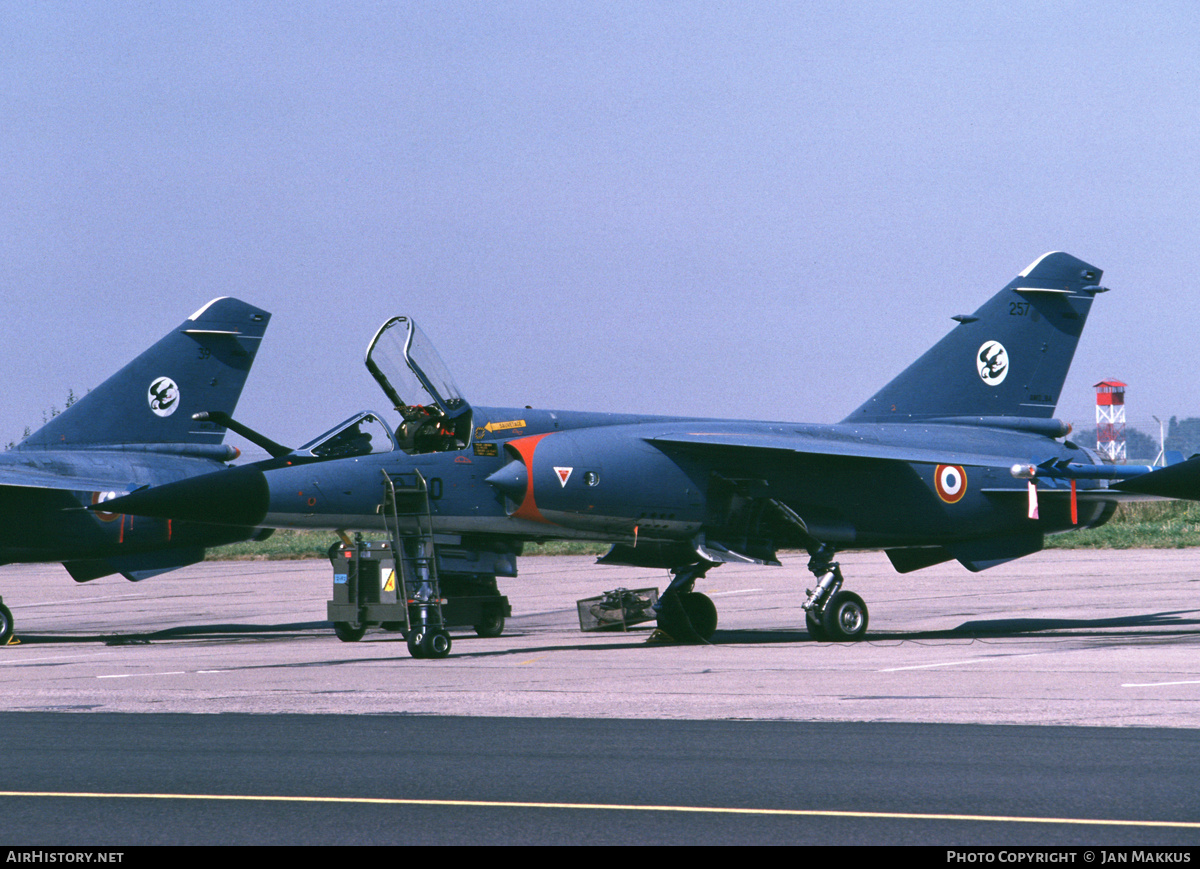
x,y
1008,359
201,365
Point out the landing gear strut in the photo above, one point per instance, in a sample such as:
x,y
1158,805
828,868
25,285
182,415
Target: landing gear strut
x,y
685,615
829,612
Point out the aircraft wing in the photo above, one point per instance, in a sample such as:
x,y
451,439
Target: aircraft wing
x,y
803,443
25,477
1175,482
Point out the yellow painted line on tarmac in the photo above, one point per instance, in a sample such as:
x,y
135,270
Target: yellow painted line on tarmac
x,y
608,807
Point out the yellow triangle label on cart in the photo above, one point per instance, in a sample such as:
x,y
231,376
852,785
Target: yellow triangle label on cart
x,y
390,584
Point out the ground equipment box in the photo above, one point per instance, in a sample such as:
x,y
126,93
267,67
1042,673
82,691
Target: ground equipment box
x,y
368,591
617,609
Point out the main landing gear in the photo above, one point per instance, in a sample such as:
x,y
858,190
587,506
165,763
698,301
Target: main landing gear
x,y
6,624
829,612
685,615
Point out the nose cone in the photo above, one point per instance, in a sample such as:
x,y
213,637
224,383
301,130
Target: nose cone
x,y
237,496
512,480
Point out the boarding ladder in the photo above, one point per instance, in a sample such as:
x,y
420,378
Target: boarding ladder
x,y
408,520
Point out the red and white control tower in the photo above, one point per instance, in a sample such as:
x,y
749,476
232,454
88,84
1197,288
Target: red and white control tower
x,y
1110,420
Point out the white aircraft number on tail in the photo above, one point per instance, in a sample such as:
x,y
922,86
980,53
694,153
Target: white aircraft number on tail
x,y
992,363
163,396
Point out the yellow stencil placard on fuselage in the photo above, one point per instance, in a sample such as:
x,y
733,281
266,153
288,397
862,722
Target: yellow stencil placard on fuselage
x,y
484,430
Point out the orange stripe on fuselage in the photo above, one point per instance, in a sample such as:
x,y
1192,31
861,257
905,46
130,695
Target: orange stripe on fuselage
x,y
525,448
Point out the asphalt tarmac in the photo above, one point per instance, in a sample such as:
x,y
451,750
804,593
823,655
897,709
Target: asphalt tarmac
x,y
547,734
106,780
1065,638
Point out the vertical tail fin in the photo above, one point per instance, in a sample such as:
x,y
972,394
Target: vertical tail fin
x,y
1008,359
201,365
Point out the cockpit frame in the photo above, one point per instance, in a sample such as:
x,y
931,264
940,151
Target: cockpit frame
x,y
403,361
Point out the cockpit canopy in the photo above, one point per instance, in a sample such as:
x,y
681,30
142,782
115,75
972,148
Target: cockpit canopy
x,y
434,415
361,435
410,371
419,386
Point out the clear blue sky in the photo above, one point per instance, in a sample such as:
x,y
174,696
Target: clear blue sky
x,y
731,209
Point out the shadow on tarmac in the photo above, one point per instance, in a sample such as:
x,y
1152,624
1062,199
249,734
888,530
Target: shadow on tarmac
x,y
1178,623
181,632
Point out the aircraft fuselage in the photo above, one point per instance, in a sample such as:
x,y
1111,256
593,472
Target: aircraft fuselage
x,y
629,479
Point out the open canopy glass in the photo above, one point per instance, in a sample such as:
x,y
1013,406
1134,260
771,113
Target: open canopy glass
x,y
409,370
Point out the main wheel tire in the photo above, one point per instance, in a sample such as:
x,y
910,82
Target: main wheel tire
x,y
349,633
701,612
416,641
845,617
6,625
492,623
815,629
436,644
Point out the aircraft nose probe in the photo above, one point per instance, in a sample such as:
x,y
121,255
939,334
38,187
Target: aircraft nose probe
x,y
236,496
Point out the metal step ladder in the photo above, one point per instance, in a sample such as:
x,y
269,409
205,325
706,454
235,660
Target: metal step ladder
x,y
408,519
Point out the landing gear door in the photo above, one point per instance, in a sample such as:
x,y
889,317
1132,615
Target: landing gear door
x,y
414,378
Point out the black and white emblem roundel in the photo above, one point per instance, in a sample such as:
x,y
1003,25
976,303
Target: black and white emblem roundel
x,y
951,483
992,363
163,396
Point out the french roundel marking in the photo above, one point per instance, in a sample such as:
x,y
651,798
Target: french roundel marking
x,y
950,482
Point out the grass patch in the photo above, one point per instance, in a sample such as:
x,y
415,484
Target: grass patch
x,y
1139,525
566,547
285,545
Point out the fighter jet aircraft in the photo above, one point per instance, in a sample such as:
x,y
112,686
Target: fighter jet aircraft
x,y
946,462
135,429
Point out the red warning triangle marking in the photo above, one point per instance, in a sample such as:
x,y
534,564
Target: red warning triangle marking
x,y
564,474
